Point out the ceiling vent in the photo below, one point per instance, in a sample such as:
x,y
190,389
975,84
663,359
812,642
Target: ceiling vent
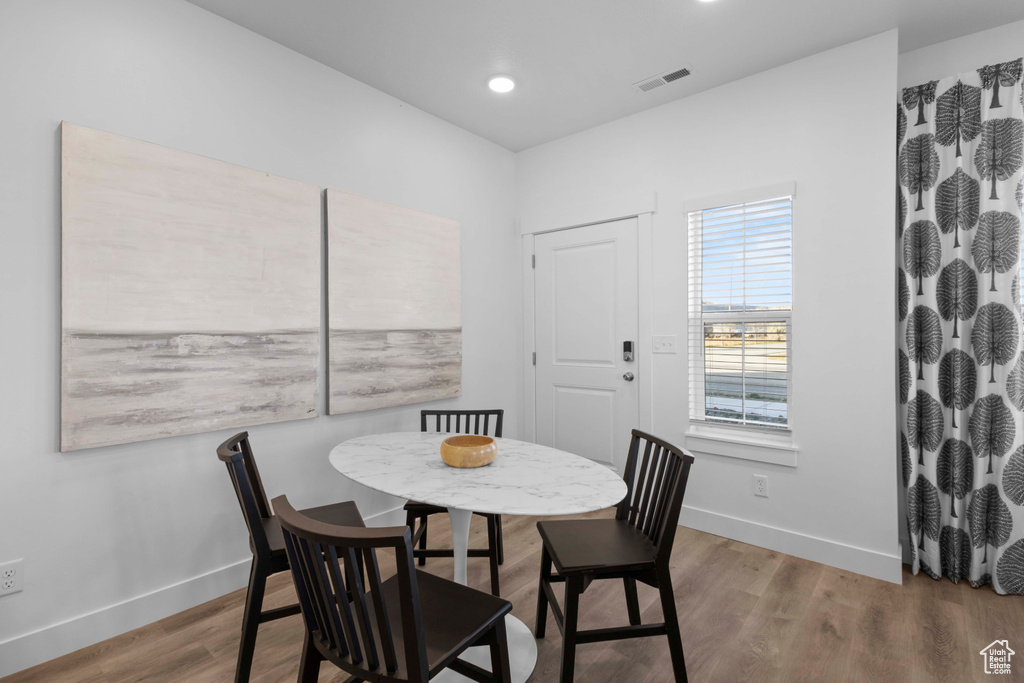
x,y
649,84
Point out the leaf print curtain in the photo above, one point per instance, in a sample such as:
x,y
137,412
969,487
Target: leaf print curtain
x,y
960,145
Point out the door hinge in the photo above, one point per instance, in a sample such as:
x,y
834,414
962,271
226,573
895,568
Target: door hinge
x,y
533,261
534,357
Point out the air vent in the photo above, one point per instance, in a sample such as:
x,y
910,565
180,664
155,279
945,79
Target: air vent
x,y
649,84
676,75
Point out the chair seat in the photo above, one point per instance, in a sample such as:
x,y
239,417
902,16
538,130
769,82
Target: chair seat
x,y
341,514
424,508
428,509
453,616
582,545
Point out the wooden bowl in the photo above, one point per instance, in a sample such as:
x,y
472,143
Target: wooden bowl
x,y
468,450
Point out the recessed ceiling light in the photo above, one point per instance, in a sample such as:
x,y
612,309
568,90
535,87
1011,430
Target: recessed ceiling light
x,y
501,84
707,0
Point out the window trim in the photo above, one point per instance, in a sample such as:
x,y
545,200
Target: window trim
x,y
752,442
755,194
743,443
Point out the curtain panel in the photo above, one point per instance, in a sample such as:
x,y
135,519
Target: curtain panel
x,y
960,145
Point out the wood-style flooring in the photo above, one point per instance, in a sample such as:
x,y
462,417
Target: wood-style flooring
x,y
747,614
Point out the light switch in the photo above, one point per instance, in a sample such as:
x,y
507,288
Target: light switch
x,y
664,343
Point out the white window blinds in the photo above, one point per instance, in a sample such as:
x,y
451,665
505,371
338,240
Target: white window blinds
x,y
740,310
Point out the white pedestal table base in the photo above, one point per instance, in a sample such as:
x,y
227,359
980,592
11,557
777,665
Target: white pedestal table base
x,y
522,646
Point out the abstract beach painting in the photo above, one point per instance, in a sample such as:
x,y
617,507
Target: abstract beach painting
x,y
394,304
190,293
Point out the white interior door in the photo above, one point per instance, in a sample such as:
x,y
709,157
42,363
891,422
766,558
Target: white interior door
x,y
586,308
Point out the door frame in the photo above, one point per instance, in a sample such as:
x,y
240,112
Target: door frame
x,y
642,208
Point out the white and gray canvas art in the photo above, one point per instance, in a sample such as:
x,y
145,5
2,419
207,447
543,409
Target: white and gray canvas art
x,y
394,304
190,293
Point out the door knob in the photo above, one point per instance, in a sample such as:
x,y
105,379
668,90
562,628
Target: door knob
x,y
628,377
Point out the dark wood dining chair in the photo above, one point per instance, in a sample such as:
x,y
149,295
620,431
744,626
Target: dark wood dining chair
x,y
266,541
458,422
634,546
407,628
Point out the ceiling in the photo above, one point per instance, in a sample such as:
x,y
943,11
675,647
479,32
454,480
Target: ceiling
x,y
575,61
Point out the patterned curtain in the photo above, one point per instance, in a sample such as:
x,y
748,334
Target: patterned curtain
x,y
960,148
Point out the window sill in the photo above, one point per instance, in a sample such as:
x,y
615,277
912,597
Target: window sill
x,y
729,443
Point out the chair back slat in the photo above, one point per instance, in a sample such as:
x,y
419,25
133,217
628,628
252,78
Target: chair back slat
x,y
412,623
306,607
340,624
383,623
237,455
663,502
647,485
649,482
333,632
656,491
254,477
352,569
341,595
667,534
654,495
466,421
628,510
308,570
333,599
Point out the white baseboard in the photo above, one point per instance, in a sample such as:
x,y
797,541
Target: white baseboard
x,y
56,640
851,558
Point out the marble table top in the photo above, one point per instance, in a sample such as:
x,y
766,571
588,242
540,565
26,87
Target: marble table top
x,y
524,479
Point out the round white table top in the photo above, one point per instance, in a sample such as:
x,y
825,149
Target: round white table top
x,y
524,479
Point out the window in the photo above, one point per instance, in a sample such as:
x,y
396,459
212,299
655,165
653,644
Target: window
x,y
740,313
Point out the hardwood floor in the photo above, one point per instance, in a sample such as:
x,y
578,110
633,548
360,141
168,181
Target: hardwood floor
x,y
747,614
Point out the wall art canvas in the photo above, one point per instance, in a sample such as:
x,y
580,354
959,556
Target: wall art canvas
x,y
394,304
190,293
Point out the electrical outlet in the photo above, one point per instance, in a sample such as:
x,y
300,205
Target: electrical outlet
x,y
761,485
664,344
12,577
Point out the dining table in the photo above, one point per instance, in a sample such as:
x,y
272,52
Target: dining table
x,y
524,479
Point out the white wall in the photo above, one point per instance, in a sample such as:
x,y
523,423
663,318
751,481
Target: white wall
x,y
128,534
825,122
959,55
